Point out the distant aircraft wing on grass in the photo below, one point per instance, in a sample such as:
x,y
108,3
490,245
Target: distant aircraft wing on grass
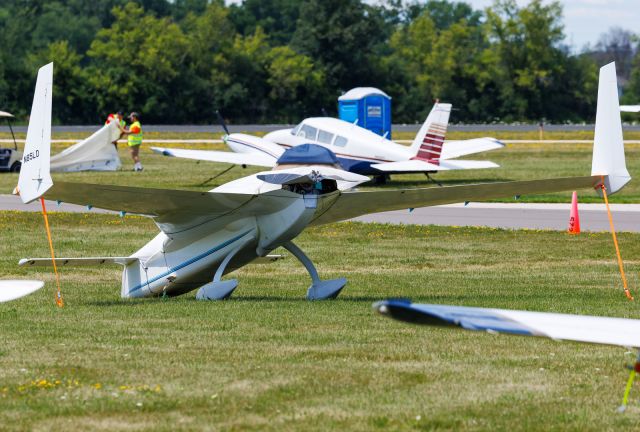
x,y
580,328
255,159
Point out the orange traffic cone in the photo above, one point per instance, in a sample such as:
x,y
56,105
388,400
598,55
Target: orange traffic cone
x,y
574,219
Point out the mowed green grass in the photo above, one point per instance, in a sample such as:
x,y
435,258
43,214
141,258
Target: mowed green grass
x,y
517,162
269,360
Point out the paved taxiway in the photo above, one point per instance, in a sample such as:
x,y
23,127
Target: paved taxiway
x,y
593,217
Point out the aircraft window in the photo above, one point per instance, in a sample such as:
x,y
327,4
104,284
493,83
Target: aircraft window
x,y
295,130
325,137
308,132
340,141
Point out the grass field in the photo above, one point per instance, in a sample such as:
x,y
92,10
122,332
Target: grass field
x,y
269,360
517,161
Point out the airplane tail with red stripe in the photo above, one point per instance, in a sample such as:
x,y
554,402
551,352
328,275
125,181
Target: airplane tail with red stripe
x,y
428,142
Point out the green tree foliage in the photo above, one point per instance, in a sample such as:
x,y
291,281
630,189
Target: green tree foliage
x,y
177,61
69,87
136,62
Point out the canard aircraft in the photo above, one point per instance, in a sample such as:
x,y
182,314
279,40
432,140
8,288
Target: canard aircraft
x,y
358,149
205,235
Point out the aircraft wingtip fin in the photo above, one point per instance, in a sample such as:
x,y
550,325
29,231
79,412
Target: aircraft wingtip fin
x,y
608,145
35,177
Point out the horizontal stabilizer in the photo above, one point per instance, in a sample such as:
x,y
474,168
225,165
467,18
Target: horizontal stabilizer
x,y
416,165
630,108
254,159
76,262
580,328
454,149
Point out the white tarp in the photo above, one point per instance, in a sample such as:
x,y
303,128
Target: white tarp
x,y
96,153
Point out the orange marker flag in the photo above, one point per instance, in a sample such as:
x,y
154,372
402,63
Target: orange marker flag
x,y
574,218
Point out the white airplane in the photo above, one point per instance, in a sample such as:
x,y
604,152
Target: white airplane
x,y
358,149
204,235
580,328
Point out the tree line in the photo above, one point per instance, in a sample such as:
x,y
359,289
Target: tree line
x,y
281,60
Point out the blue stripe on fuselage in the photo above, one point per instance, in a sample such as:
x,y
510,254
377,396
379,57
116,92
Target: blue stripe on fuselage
x,y
189,262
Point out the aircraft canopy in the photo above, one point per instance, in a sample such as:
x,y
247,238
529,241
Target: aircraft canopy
x,y
308,154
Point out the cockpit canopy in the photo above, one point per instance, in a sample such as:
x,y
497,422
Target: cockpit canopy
x,y
304,130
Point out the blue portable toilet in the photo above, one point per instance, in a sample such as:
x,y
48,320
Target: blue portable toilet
x,y
370,107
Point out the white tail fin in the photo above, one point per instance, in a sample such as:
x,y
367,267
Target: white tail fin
x,y
35,178
608,147
427,144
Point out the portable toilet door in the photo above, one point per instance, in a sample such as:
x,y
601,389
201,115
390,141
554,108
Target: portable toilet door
x,y
369,107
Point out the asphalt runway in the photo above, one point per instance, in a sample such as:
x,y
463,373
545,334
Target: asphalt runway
x,y
593,217
214,128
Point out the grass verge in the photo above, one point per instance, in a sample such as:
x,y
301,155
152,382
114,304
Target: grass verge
x,y
269,360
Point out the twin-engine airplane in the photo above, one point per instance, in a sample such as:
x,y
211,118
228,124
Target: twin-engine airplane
x,y
205,235
358,149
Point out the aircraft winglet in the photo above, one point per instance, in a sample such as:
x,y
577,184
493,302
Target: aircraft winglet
x,y
35,177
608,146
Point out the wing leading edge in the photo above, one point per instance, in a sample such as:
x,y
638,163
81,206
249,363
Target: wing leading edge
x,y
579,328
352,204
256,159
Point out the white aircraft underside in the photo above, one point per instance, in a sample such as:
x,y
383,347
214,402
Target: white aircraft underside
x,y
205,235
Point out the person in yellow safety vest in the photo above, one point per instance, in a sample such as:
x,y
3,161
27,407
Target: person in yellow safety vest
x,y
121,124
134,133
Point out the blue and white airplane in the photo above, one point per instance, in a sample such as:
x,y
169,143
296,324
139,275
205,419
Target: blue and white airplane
x,y
358,149
621,332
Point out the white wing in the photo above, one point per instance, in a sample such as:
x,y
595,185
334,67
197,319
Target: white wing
x,y
14,289
416,165
454,149
257,159
579,328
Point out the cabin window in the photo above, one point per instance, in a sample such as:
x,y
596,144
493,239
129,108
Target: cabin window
x,y
308,132
295,130
340,141
325,137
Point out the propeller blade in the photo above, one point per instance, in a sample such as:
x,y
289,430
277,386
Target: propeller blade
x,y
222,123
